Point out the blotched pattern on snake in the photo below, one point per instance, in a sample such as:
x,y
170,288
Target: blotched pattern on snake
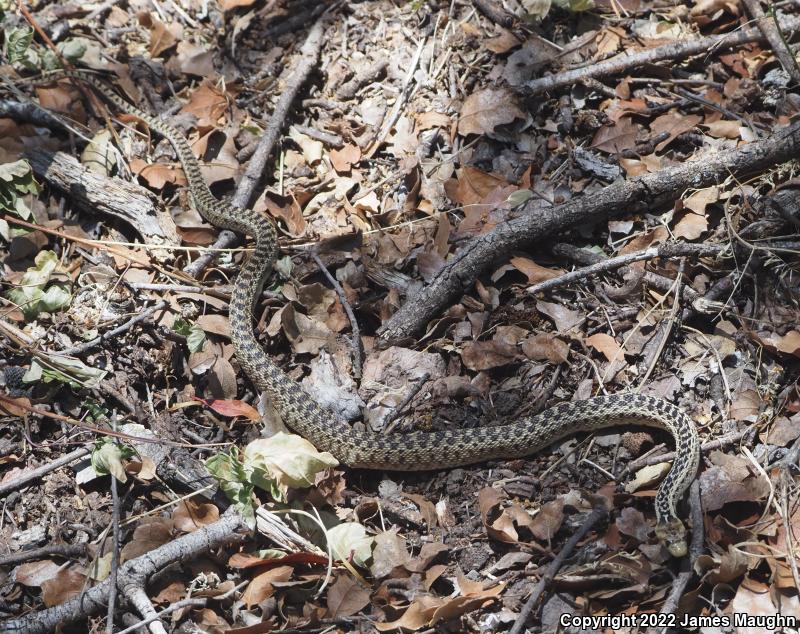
x,y
417,450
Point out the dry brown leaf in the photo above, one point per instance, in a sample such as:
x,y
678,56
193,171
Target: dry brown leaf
x,y
330,484
724,129
149,534
190,515
548,520
483,355
606,345
66,584
261,586
702,198
674,124
388,553
164,36
632,522
534,272
730,481
157,175
284,208
502,43
546,347
208,104
34,573
427,554
195,60
564,318
788,343
346,597
344,159
233,407
691,226
486,109
614,139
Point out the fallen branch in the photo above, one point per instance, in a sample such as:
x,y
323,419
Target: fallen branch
x,y
133,575
637,195
770,31
98,193
624,62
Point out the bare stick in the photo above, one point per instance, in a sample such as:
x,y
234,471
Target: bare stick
x,y
669,249
695,550
357,351
771,33
637,195
646,461
54,550
597,515
134,573
296,77
34,474
145,314
624,62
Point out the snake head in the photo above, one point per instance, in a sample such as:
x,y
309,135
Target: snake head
x,y
672,534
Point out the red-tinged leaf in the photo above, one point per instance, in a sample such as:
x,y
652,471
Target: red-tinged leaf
x,y
234,408
245,560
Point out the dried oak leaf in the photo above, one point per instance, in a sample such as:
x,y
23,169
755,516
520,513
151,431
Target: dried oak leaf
x,y
485,110
163,36
483,355
66,584
613,139
261,587
346,598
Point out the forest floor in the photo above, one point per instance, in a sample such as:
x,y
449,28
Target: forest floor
x,y
484,209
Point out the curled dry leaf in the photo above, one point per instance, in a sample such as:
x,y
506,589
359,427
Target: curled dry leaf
x,y
190,515
534,272
234,408
483,355
606,345
261,587
546,347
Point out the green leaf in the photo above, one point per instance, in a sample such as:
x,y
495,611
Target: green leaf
x,y
349,540
515,199
182,327
16,181
228,470
107,458
284,461
55,368
196,338
73,49
31,296
17,42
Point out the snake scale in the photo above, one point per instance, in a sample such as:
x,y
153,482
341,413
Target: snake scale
x,y
417,450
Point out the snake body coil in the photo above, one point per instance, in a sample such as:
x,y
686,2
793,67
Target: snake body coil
x,y
418,450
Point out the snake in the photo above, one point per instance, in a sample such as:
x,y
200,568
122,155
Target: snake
x,y
417,450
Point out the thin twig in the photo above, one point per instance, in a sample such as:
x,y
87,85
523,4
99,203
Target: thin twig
x,y
695,550
80,349
296,75
597,515
669,249
356,332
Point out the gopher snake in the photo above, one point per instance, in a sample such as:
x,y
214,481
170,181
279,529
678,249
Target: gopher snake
x,y
417,450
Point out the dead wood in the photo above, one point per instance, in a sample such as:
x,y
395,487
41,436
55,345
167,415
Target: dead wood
x,y
624,62
133,575
106,195
771,33
645,193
